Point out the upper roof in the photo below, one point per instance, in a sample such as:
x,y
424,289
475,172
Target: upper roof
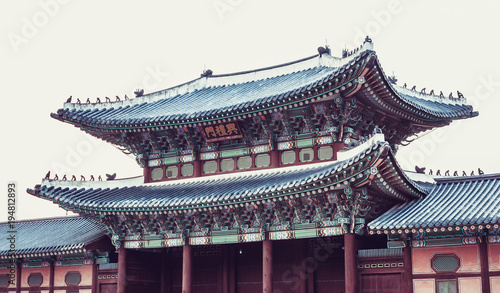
x,y
237,188
215,97
456,201
52,236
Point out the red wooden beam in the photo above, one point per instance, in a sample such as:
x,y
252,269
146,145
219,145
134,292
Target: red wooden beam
x,y
122,270
350,263
187,268
407,276
483,257
267,266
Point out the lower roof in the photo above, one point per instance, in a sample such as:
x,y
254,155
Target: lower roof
x,y
49,236
455,201
237,188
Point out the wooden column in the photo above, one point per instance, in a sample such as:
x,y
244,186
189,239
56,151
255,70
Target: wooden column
x,y
408,276
122,270
267,266
19,269
350,263
51,277
485,270
187,268
95,270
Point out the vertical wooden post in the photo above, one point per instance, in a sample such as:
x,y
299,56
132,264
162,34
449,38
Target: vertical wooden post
x,y
19,268
485,273
350,263
408,277
95,271
187,268
122,270
51,277
267,266
275,158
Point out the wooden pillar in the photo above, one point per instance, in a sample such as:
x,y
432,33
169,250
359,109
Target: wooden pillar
x,y
485,273
267,266
19,269
122,270
95,270
350,263
187,268
51,277
408,276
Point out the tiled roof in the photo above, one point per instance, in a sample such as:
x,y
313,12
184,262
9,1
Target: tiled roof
x,y
68,234
218,96
459,201
214,190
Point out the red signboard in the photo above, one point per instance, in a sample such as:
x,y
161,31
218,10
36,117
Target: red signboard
x,y
222,131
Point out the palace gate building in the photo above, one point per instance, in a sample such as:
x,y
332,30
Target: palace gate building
x,y
281,179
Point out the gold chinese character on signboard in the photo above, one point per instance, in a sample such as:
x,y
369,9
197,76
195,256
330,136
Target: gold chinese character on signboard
x,y
221,130
231,129
210,132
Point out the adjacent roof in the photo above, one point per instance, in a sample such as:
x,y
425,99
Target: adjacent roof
x,y
216,97
53,236
234,188
457,201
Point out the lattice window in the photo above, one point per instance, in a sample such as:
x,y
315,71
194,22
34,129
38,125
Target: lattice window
x,y
445,263
227,165
306,155
73,278
210,167
187,170
288,157
263,160
172,172
35,279
157,174
244,162
325,153
446,286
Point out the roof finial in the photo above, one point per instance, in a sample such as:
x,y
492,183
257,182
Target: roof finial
x,y
367,40
139,93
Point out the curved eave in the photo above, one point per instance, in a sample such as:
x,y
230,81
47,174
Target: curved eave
x,y
341,80
454,204
425,110
230,190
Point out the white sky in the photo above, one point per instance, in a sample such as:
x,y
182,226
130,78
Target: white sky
x,y
51,50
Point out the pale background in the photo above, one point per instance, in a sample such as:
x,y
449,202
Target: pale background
x,y
51,50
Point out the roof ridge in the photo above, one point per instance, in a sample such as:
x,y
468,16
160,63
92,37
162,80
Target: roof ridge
x,y
44,219
467,178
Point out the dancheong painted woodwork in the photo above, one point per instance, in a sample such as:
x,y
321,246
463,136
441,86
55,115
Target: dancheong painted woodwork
x,y
281,179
